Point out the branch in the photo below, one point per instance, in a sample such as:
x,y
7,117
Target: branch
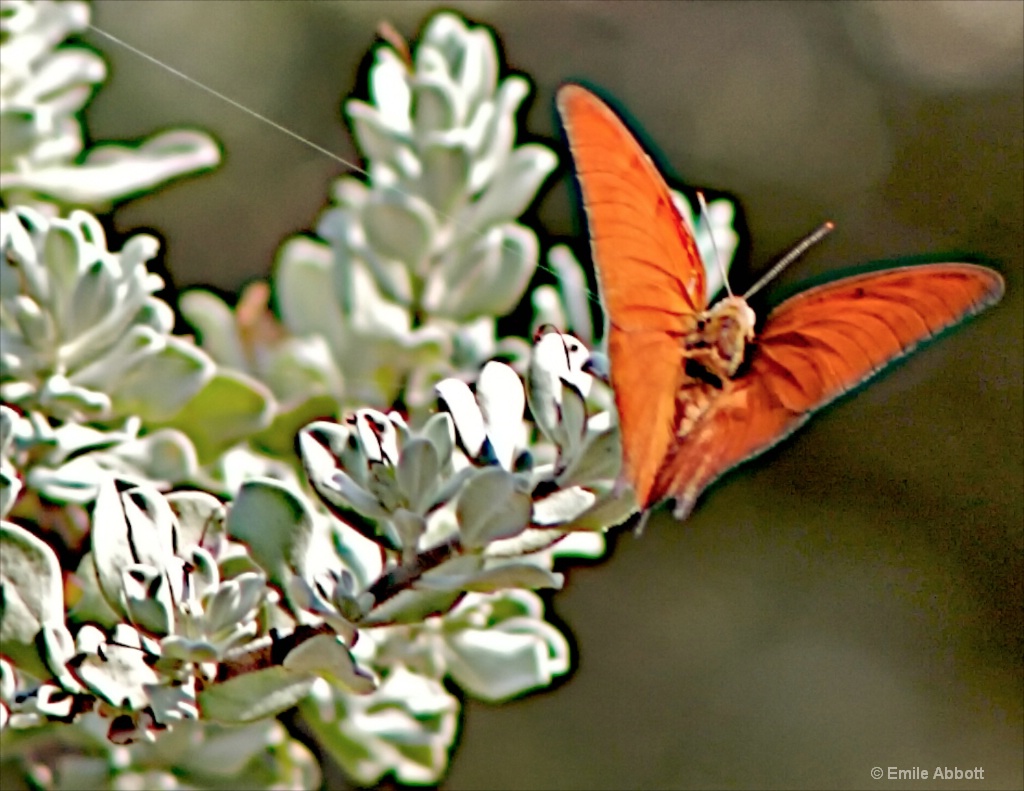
x,y
271,650
401,577
268,651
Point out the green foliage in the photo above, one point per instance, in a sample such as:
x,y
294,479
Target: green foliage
x,y
396,552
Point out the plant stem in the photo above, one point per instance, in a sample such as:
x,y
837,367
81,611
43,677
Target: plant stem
x,y
401,577
272,649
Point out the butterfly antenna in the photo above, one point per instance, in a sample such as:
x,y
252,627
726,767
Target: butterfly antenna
x,y
798,250
714,245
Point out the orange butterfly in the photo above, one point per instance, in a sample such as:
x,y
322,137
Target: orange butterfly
x,y
698,390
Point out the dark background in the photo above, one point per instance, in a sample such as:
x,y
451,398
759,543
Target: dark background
x,y
852,599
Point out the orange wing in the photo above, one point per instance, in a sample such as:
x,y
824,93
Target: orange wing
x,y
649,273
814,348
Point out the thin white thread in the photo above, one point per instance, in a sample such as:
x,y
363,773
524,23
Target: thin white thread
x,y
326,152
232,102
294,135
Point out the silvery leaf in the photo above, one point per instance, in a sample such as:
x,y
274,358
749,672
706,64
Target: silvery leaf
x,y
458,399
200,518
130,525
326,656
445,173
37,327
493,276
511,575
610,510
405,727
31,595
513,187
112,171
235,601
417,473
411,606
203,572
451,486
147,599
162,383
574,293
119,674
228,407
94,299
399,226
390,90
556,358
562,506
440,430
215,323
526,543
275,523
10,488
352,495
599,459
599,366
383,486
302,288
511,656
491,506
378,436
478,75
391,275
59,396
409,527
164,456
499,134
572,423
254,696
589,546
436,105
342,495
377,138
499,392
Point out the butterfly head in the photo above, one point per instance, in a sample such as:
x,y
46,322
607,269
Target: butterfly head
x,y
717,338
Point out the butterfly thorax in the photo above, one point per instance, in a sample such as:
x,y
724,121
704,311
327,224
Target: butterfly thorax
x,y
716,339
714,343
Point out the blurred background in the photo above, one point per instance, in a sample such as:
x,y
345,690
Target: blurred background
x,y
853,598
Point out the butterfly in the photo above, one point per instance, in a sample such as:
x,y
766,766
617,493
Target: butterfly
x,y
699,388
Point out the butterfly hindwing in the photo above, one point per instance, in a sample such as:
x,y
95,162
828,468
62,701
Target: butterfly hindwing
x,y
813,348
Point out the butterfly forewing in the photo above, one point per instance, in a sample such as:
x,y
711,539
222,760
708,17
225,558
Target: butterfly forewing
x,y
649,273
648,265
813,348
